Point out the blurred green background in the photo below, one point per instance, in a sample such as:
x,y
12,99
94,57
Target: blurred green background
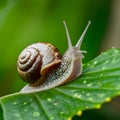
x,y
23,22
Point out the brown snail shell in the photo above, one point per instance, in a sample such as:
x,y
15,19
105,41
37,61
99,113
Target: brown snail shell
x,y
35,62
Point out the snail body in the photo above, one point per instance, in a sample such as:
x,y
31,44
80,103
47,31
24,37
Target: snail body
x,y
43,67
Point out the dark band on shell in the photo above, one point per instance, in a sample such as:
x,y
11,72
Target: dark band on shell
x,y
29,64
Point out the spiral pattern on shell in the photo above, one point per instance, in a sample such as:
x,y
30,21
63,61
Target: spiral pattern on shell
x,y
29,64
36,61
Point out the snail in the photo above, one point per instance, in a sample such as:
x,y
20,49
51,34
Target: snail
x,y
43,67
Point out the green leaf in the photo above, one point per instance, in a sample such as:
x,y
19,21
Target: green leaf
x,y
99,82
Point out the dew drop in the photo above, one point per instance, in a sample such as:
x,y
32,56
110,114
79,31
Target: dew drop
x,y
116,51
79,113
101,74
61,112
56,103
86,107
88,94
52,118
95,62
88,65
119,93
69,118
89,85
103,67
14,103
101,95
36,114
84,81
99,83
49,99
104,53
24,103
107,61
79,96
113,61
76,95
31,100
98,106
90,99
83,92
108,99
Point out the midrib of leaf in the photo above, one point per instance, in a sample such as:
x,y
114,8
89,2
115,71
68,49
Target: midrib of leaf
x,y
41,106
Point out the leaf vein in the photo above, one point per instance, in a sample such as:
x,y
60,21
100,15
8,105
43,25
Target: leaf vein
x,y
37,98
